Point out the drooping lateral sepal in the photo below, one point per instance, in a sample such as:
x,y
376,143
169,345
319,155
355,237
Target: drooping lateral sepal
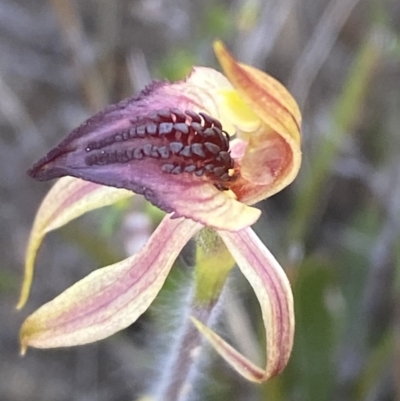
x,y
68,199
274,294
110,298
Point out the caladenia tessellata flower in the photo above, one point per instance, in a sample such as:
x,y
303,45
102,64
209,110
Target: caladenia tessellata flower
x,y
204,150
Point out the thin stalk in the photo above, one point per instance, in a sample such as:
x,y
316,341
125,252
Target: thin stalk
x,y
179,375
213,263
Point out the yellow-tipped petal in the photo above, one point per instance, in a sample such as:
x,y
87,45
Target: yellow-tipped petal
x,y
275,145
111,298
68,199
236,111
209,206
266,96
238,362
273,291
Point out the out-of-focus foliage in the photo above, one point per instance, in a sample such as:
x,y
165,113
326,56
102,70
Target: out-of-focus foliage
x,y
336,230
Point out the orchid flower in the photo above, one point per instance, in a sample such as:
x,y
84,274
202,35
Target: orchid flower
x,y
204,150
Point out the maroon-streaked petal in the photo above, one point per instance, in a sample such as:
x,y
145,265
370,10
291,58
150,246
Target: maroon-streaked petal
x,y
271,161
273,155
68,199
273,291
110,298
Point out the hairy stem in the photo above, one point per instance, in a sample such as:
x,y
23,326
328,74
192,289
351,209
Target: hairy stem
x,y
178,376
213,263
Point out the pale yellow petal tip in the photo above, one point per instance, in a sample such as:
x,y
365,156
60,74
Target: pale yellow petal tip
x,y
21,303
24,347
28,332
196,322
217,42
246,216
223,56
35,240
26,288
219,48
23,298
146,398
237,361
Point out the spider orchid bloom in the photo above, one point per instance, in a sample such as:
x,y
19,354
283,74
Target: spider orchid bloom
x,y
174,144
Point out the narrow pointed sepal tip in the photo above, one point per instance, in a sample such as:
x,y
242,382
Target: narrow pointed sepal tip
x,y
46,168
218,47
24,348
237,361
21,303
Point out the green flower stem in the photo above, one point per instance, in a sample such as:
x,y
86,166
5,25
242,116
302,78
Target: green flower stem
x,y
213,263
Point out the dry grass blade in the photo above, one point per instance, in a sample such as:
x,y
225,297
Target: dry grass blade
x,y
88,75
253,46
14,111
319,46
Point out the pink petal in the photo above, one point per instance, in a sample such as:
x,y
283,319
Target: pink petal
x,y
273,291
111,298
269,158
68,199
273,155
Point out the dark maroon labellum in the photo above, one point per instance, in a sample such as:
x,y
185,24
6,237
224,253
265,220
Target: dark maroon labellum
x,y
115,149
183,142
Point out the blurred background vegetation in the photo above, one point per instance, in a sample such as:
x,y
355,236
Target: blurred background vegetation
x,y
335,230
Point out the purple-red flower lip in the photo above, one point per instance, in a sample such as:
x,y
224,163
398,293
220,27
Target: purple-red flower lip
x,y
181,142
